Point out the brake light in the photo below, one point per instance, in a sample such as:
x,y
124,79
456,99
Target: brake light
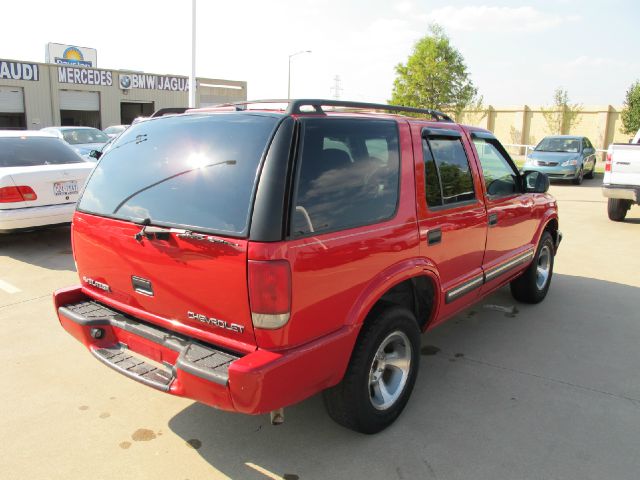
x,y
269,293
21,193
607,164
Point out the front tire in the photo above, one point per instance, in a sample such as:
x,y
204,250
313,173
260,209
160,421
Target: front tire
x,y
579,177
381,374
617,209
532,286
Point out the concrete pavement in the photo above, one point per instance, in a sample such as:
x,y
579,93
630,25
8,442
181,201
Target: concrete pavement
x,y
551,391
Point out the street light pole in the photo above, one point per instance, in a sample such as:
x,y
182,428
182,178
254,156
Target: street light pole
x,y
289,73
192,77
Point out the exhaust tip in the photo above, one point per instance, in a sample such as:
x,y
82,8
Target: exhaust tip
x,y
277,417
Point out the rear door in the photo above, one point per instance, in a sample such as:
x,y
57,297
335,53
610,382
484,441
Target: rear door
x,y
451,213
510,214
625,165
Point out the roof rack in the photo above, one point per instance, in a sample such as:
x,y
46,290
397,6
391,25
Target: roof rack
x,y
295,107
168,111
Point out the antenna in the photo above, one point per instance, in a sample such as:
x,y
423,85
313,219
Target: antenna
x,y
336,89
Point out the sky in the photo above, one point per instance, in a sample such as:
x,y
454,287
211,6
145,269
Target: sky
x,y
516,52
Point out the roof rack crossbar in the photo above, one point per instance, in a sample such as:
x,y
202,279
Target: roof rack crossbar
x,y
295,107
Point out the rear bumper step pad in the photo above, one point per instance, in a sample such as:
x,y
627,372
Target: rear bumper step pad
x,y
200,360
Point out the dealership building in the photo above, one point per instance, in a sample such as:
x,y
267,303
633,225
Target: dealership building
x,y
68,89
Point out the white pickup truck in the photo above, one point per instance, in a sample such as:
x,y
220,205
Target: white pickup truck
x,y
621,182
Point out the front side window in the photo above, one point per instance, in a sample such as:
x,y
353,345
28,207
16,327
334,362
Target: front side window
x,y
499,177
448,178
347,174
194,171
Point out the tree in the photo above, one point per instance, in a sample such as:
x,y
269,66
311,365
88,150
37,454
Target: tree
x,y
435,76
631,111
562,115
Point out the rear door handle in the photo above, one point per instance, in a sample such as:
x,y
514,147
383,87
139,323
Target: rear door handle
x,y
434,236
493,219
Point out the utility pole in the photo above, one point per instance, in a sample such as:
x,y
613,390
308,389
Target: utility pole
x,y
192,77
336,89
289,71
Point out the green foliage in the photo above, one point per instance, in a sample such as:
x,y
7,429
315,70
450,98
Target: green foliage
x,y
435,76
631,111
561,115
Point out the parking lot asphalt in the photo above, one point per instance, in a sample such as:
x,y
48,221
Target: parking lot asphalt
x,y
505,391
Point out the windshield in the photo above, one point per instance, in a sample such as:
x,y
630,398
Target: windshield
x,y
195,171
115,129
555,144
33,151
84,135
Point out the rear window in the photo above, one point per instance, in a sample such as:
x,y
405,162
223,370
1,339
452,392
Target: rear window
x,y
33,151
348,174
195,171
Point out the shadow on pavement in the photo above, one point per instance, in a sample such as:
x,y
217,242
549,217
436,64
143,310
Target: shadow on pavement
x,y
595,182
47,248
510,391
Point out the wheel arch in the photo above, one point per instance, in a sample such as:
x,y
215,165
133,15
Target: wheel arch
x,y
414,284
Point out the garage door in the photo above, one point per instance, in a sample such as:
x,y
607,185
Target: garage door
x,y
76,100
11,100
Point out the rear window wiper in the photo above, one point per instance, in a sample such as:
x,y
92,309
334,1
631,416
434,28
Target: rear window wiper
x,y
138,192
149,232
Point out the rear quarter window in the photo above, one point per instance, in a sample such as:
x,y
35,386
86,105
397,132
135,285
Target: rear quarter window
x,y
193,171
30,151
347,175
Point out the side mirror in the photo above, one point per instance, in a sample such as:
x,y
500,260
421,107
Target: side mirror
x,y
536,182
95,154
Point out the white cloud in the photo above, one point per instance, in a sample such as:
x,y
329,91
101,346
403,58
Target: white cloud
x,y
403,7
503,19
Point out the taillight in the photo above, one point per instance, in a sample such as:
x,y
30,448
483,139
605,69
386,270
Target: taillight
x,y
21,193
607,164
269,293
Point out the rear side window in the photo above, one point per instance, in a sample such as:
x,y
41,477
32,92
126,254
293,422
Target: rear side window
x,y
30,151
448,178
194,171
347,174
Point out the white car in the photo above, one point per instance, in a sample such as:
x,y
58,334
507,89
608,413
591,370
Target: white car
x,y
115,130
82,139
40,180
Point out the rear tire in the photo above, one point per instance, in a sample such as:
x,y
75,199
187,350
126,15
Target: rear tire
x,y
532,286
381,374
617,209
591,172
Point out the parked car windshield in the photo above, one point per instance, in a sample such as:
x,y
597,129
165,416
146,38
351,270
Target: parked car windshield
x,y
551,144
84,135
115,129
195,171
32,151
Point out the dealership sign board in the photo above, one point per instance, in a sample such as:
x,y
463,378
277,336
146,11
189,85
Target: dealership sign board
x,y
85,76
153,82
19,71
71,55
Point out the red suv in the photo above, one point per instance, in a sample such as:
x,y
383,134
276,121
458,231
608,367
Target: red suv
x,y
249,256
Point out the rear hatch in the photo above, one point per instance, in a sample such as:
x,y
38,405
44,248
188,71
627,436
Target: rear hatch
x,y
625,165
163,223
46,165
